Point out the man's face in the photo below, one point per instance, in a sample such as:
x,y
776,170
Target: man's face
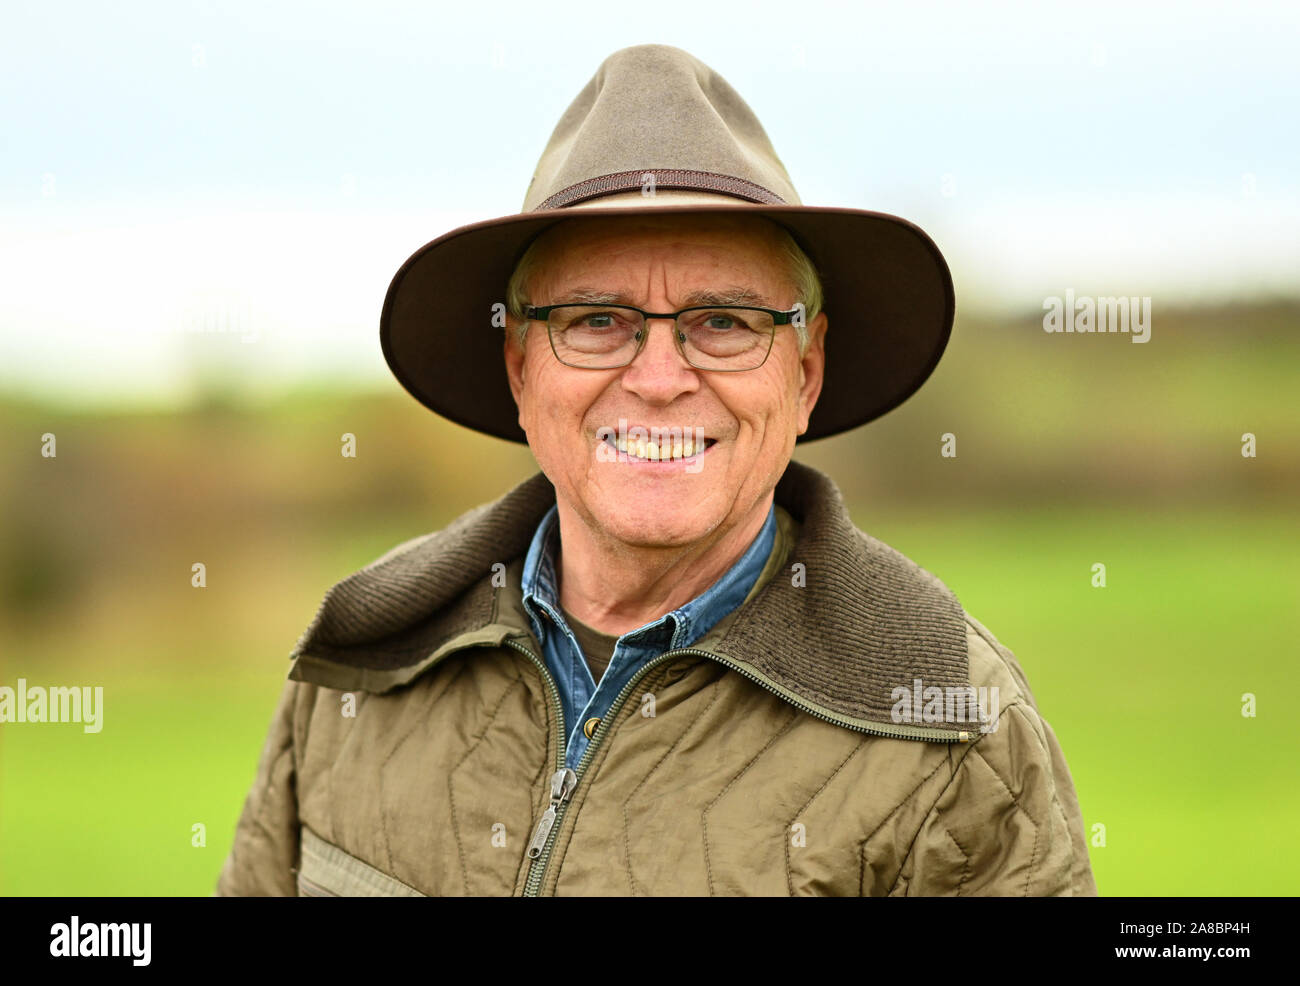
x,y
749,419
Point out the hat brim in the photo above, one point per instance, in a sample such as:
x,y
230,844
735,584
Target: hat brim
x,y
888,298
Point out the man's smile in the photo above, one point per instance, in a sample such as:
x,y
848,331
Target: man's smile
x,y
654,446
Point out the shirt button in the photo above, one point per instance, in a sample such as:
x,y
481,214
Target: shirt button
x,y
589,727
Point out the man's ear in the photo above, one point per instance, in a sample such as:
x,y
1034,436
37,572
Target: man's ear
x,y
812,369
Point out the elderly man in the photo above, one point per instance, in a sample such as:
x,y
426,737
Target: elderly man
x,y
669,663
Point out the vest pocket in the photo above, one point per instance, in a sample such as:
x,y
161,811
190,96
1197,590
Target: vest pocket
x,y
326,870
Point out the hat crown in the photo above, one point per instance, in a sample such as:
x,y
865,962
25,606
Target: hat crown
x,y
657,110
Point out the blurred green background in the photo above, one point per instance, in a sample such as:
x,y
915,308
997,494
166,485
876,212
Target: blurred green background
x,y
1071,450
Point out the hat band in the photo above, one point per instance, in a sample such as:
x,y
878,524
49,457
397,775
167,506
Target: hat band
x,y
670,178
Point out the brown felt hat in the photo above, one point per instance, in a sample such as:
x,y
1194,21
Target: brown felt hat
x,y
654,110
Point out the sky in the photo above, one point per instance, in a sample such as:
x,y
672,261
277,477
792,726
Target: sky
x,y
197,189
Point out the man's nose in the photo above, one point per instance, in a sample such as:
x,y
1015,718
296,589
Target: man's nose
x,y
660,372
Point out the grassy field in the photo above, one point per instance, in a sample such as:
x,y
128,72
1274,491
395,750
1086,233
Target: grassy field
x,y
1141,680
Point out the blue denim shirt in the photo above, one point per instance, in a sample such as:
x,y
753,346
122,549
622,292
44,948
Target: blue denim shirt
x,y
580,696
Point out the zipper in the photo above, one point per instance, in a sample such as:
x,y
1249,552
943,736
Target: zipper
x,y
902,732
564,780
562,785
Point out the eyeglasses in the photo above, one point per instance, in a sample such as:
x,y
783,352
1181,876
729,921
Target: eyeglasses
x,y
605,337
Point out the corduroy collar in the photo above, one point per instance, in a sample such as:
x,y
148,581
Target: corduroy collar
x,y
860,622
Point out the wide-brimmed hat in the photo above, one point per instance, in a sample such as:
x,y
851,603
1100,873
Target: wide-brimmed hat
x,y
654,118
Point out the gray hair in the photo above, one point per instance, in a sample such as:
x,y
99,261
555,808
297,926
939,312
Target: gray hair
x,y
802,271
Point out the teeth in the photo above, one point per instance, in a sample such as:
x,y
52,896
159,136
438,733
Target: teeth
x,y
653,452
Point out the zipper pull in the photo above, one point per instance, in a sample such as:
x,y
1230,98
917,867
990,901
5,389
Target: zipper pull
x,y
562,784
